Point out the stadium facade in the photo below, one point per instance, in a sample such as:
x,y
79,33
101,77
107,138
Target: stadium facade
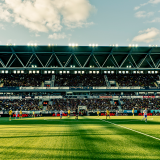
x,y
79,60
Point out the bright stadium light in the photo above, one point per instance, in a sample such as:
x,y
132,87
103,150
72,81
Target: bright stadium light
x,y
93,45
70,44
73,45
96,45
7,44
31,44
49,44
130,45
90,45
113,45
156,45
150,45
14,44
28,44
76,44
136,45
116,45
35,44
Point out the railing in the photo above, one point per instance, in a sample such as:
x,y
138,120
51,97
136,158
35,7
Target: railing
x,y
79,88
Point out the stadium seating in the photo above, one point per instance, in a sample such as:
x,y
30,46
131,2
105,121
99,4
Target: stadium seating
x,y
141,104
19,104
23,80
80,80
142,80
92,104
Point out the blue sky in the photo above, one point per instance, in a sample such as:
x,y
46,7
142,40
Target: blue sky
x,y
102,22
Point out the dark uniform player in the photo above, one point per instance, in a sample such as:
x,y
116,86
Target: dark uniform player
x,y
77,114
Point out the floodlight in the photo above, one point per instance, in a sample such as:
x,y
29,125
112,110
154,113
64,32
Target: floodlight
x,y
76,44
31,44
28,44
7,44
116,45
35,44
49,44
130,45
133,45
136,45
14,44
73,45
96,45
70,44
90,45
149,45
156,45
93,45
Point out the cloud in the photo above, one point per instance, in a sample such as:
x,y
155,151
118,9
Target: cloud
x,y
149,2
45,15
143,14
2,26
37,35
156,20
136,8
57,36
147,36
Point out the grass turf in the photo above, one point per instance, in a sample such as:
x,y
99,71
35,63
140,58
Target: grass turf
x,y
86,138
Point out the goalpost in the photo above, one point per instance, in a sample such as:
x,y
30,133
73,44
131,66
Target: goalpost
x,y
82,108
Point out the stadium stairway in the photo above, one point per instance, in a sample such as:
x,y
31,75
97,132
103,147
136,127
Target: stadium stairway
x,y
117,85
1,85
107,81
42,84
155,83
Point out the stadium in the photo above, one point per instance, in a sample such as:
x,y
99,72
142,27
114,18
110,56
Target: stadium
x,y
79,102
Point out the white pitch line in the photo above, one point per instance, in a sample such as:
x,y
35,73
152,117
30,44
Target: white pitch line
x,y
135,131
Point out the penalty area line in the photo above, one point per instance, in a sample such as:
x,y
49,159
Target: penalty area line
x,y
134,130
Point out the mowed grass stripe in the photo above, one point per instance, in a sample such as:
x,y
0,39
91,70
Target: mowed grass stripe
x,y
86,139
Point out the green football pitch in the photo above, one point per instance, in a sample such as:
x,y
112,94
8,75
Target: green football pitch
x,y
86,138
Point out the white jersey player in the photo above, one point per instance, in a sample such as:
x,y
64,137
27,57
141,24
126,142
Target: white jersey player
x,y
16,113
145,115
61,112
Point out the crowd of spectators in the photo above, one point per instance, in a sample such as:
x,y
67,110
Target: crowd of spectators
x,y
150,103
141,80
78,80
23,80
25,105
72,104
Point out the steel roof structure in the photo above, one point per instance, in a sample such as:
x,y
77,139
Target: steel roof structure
x,y
81,57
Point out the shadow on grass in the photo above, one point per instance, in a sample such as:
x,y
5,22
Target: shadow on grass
x,y
63,154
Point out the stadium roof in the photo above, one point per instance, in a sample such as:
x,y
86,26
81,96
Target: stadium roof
x,y
82,57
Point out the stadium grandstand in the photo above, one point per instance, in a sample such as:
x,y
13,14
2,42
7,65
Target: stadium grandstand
x,y
47,79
